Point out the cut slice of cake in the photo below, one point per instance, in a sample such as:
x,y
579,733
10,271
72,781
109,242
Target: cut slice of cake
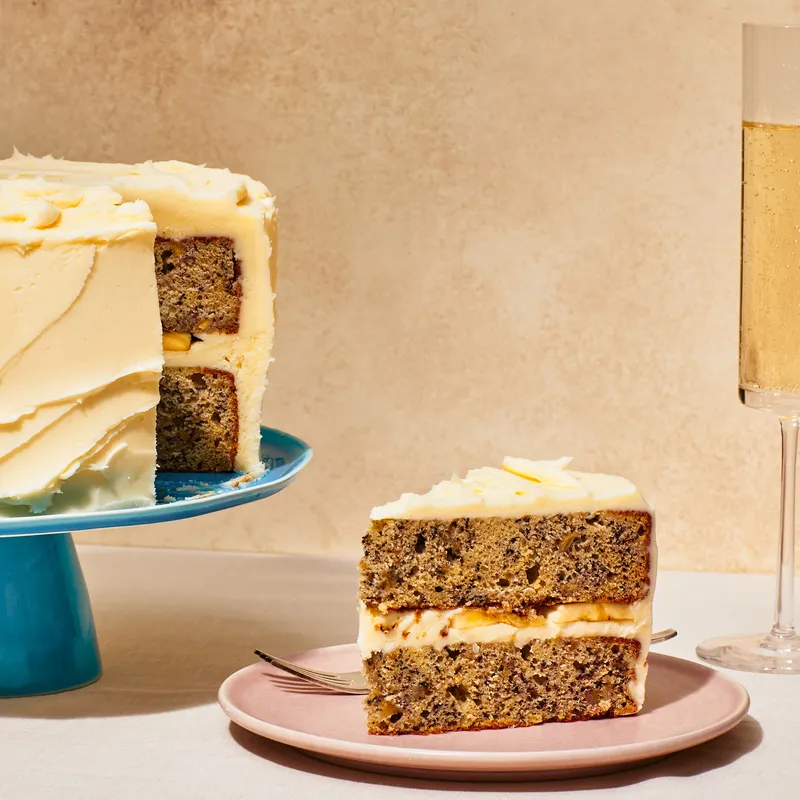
x,y
215,256
80,350
510,597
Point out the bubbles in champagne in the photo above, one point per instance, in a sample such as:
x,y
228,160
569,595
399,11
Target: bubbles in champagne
x,y
769,335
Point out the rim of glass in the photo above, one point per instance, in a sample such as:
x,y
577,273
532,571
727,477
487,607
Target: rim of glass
x,y
770,25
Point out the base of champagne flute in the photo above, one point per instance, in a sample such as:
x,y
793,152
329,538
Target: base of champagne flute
x,y
755,652
784,404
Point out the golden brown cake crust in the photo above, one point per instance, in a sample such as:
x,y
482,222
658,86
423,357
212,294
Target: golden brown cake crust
x,y
499,685
197,420
507,564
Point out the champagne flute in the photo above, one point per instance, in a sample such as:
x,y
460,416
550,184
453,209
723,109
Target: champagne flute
x,y
769,326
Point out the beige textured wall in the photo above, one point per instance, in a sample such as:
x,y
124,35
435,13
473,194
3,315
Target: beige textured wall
x,y
507,227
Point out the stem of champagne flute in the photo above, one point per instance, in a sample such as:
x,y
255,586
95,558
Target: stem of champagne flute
x,y
784,600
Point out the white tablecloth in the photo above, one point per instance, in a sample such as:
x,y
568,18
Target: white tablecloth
x,y
173,625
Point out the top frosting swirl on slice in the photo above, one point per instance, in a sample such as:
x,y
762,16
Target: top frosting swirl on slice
x,y
520,488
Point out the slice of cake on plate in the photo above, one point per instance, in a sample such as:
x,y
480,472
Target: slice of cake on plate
x,y
80,350
215,260
510,597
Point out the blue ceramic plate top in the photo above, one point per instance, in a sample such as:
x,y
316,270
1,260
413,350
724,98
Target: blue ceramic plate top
x,y
184,494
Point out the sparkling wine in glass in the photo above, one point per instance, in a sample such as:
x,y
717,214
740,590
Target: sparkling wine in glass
x,y
769,326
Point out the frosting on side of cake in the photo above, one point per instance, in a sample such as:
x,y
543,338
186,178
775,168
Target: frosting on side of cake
x,y
440,628
187,200
247,359
80,355
520,488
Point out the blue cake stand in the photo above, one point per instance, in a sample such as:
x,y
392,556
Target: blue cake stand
x,y
47,637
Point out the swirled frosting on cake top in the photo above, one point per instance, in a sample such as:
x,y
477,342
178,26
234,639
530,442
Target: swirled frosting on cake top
x,y
520,488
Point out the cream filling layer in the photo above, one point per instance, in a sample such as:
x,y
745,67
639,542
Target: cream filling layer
x,y
439,628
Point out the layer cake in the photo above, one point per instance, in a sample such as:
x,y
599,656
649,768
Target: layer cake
x,y
510,597
214,256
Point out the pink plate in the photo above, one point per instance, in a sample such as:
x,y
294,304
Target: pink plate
x,y
687,704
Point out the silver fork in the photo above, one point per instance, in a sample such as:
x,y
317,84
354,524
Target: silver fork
x,y
342,682
354,682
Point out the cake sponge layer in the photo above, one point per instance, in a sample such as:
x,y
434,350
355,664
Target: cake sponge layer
x,y
199,286
197,425
471,686
507,564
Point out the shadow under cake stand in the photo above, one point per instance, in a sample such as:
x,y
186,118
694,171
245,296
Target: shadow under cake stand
x,y
47,636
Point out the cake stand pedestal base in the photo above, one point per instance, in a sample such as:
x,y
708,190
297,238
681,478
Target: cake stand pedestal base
x,y
47,636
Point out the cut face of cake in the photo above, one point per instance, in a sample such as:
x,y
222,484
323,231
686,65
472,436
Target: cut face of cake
x,y
80,350
510,597
215,256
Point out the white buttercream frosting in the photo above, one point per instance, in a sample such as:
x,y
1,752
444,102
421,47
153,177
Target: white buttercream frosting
x,y
188,200
520,488
80,351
